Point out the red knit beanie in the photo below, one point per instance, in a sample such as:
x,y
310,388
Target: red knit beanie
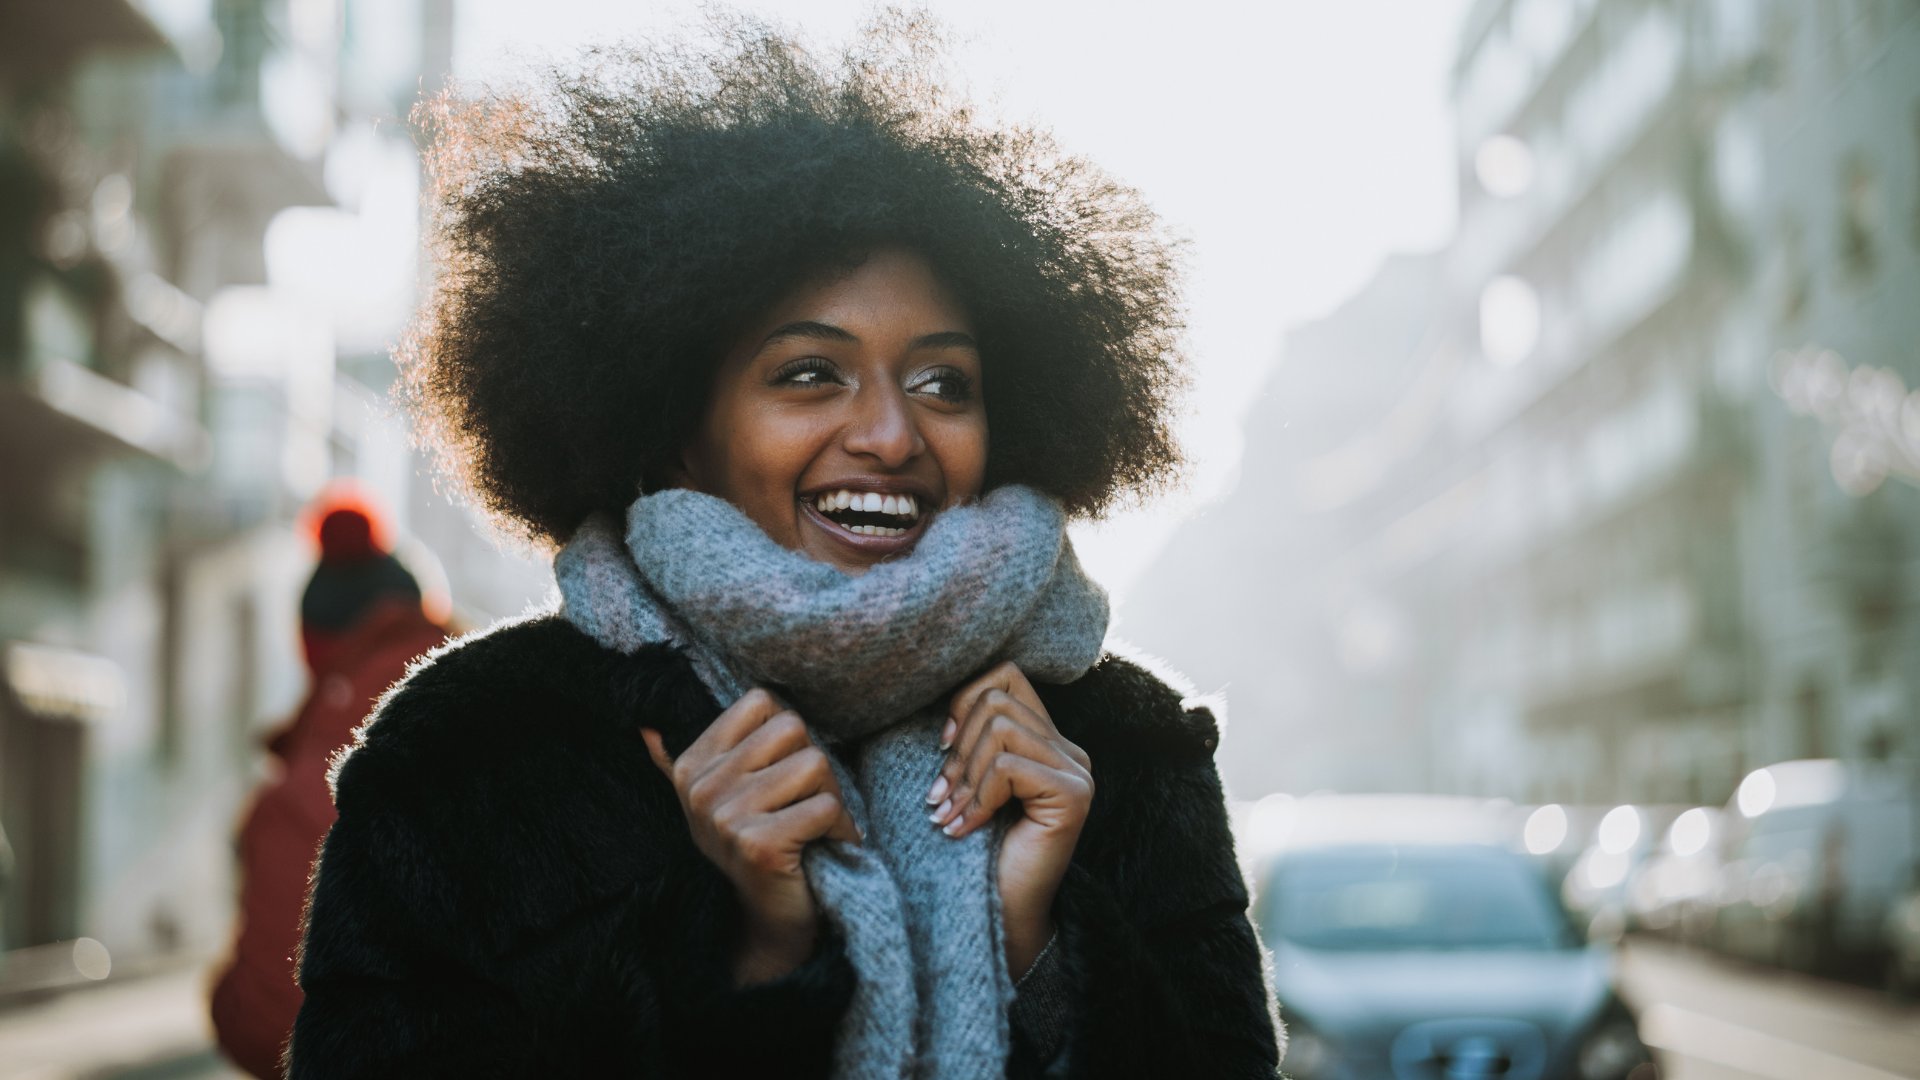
x,y
356,571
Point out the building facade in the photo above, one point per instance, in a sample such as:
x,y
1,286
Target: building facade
x,y
188,352
1652,520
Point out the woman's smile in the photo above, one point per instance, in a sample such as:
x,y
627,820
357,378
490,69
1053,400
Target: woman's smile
x,y
873,518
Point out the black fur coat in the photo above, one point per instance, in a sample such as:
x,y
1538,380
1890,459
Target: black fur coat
x,y
511,889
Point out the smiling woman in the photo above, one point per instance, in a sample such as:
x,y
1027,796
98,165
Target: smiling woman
x,y
819,767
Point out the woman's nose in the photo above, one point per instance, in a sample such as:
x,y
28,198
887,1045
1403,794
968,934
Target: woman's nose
x,y
884,428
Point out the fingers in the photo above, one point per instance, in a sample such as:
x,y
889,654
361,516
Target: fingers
x,y
1001,695
1044,793
771,843
821,815
1004,746
780,736
756,776
732,726
1004,677
656,750
741,721
803,773
1006,727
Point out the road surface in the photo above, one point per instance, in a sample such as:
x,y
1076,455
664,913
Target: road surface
x,y
1717,1019
1711,1019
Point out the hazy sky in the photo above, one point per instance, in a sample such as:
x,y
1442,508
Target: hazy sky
x,y
1293,143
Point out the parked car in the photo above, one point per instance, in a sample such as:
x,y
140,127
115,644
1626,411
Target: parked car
x,y
1434,958
1818,852
1556,833
1595,887
1672,892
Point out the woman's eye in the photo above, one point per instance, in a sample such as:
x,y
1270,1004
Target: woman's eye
x,y
946,384
811,371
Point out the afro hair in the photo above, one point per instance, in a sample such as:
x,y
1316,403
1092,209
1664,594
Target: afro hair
x,y
602,232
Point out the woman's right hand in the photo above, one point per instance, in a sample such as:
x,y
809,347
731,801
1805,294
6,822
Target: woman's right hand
x,y
756,790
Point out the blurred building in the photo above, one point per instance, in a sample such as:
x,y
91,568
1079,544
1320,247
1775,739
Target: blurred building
x,y
207,229
1632,505
1262,595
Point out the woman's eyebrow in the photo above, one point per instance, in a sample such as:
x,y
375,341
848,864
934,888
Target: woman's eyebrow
x,y
807,328
819,331
945,339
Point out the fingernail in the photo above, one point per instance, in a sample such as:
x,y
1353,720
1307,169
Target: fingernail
x,y
953,827
939,790
940,812
947,733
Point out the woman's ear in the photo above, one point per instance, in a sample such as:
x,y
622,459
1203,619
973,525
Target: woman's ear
x,y
671,473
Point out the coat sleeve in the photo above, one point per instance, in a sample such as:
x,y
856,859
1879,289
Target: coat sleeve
x,y
1172,980
451,930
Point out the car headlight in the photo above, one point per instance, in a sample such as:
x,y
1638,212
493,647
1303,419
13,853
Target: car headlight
x,y
1612,1051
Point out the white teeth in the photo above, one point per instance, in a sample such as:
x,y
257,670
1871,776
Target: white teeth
x,y
871,502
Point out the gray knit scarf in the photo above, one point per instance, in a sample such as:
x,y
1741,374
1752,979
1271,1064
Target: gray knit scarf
x,y
868,661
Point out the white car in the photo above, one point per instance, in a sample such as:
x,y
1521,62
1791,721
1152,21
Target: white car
x,y
1818,852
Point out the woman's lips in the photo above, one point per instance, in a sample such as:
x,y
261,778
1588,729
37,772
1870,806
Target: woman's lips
x,y
870,546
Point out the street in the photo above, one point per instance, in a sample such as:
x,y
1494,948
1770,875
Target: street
x,y
1711,1019
1717,1019
147,1027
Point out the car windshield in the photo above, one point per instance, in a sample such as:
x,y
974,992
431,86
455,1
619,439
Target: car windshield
x,y
1392,899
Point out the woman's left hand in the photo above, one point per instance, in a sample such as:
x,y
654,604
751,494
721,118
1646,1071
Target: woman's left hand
x,y
1003,746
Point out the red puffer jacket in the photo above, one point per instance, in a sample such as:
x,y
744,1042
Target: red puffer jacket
x,y
256,998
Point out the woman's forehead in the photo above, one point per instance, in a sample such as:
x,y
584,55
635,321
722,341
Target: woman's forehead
x,y
894,295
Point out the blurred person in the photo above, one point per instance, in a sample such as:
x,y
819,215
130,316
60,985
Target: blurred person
x,y
362,621
819,768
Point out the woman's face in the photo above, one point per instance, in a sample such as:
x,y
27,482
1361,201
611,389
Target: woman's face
x,y
849,415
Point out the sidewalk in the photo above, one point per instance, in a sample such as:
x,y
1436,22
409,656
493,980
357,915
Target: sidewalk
x,y
145,1027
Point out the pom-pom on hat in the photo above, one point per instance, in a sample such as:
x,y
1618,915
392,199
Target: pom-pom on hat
x,y
346,535
346,524
357,569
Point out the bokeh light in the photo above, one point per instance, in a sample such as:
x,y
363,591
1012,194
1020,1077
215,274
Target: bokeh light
x,y
1509,320
1619,830
1504,166
1690,832
1546,829
1756,793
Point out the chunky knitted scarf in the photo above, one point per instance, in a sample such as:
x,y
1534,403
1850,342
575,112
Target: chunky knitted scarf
x,y
868,661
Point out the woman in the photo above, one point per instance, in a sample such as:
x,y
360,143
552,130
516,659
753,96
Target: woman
x,y
802,373
363,620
